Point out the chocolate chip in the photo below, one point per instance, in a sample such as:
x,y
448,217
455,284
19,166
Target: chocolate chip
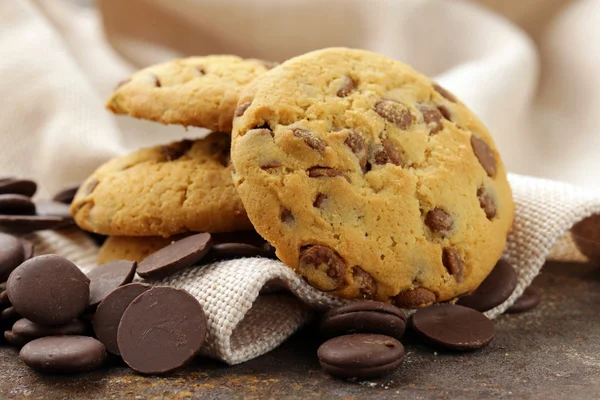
x,y
226,251
384,154
270,165
415,298
366,283
287,217
156,81
494,290
453,327
438,220
528,301
320,200
181,335
201,70
49,208
49,290
356,143
395,113
107,277
28,248
24,331
322,267
310,139
453,263
444,92
484,154
23,187
11,204
432,117
242,108
109,313
348,86
175,257
63,354
364,317
360,355
23,224
174,151
12,254
319,172
445,112
487,202
89,187
66,195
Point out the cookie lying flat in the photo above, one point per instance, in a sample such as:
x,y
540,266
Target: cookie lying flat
x,y
370,180
197,91
162,191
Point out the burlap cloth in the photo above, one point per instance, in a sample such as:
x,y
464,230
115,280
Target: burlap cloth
x,y
245,320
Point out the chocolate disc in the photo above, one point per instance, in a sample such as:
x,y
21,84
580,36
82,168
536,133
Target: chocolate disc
x,y
528,300
8,317
177,256
23,224
49,290
24,331
364,317
360,355
4,301
66,195
494,290
63,354
161,330
109,313
16,204
107,277
453,327
18,186
15,340
11,255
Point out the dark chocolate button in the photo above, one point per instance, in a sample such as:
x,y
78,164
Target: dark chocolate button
x,y
161,330
11,255
4,301
66,195
107,277
24,331
109,313
63,354
528,300
364,317
15,340
16,204
48,208
8,317
177,256
360,355
28,248
494,290
18,186
49,290
23,224
453,327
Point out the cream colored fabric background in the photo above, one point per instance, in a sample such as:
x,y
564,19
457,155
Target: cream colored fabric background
x,y
59,60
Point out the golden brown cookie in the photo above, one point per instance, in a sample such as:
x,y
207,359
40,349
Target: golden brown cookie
x,y
197,91
133,248
162,191
371,180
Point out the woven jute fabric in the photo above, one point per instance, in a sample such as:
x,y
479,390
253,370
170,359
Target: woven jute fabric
x,y
254,304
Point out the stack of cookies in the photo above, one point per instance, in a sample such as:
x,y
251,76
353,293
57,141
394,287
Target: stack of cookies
x,y
369,179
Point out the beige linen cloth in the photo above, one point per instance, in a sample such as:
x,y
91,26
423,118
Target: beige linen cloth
x,y
60,59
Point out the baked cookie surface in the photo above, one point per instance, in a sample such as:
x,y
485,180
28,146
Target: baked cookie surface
x,y
371,180
132,248
195,91
162,191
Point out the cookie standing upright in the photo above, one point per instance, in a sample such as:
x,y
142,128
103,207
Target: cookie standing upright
x,y
163,191
195,91
370,179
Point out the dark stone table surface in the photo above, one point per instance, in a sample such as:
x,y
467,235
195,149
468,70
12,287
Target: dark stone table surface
x,y
552,352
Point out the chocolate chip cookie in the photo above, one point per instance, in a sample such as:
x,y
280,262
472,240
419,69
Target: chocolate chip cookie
x,y
162,191
370,179
197,91
133,248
